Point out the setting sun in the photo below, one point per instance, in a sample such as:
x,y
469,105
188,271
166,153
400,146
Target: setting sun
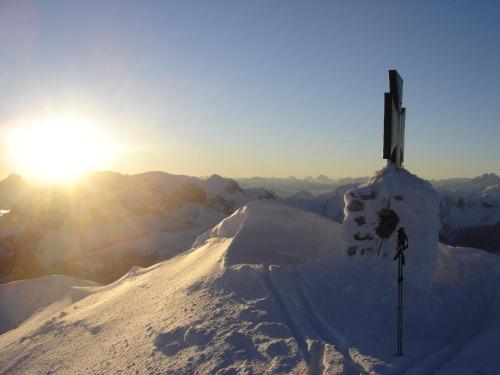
x,y
57,148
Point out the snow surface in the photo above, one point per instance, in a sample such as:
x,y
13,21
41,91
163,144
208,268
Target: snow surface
x,y
20,299
416,205
269,290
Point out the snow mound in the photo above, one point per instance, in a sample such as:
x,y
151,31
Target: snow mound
x,y
393,198
275,233
20,299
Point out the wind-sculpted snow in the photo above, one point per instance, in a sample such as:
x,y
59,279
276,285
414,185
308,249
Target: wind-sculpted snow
x,y
218,309
259,233
20,299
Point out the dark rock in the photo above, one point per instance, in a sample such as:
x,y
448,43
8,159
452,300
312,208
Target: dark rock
x,y
233,187
360,220
221,204
488,205
366,197
388,221
351,250
366,237
355,205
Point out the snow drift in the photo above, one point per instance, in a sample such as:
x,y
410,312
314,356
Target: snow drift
x,y
258,231
20,299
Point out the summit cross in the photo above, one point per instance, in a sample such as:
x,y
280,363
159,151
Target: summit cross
x,y
394,120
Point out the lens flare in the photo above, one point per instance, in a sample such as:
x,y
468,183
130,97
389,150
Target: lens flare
x,y
57,148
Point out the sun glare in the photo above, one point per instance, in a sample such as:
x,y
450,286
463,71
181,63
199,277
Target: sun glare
x,y
58,148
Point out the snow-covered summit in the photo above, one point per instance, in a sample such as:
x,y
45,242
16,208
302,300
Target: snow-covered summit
x,y
209,310
391,199
21,299
303,236
217,309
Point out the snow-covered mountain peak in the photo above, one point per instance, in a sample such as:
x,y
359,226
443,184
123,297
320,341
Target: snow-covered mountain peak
x,y
11,188
303,194
485,180
112,221
14,180
216,185
395,180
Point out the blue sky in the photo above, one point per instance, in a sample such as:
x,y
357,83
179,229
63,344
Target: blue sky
x,y
270,88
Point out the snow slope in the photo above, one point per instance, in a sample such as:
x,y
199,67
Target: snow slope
x,y
20,299
268,290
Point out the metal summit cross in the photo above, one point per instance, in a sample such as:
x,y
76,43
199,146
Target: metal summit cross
x,y
394,120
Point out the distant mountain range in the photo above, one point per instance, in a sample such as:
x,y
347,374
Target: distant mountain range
x,y
112,221
289,186
109,222
286,187
476,183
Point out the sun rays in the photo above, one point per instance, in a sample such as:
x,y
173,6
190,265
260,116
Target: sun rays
x,y
57,148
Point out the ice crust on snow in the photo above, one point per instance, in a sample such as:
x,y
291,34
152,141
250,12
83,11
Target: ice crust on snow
x,y
415,203
299,305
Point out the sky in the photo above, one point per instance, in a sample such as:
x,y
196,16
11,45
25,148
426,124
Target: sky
x,y
258,88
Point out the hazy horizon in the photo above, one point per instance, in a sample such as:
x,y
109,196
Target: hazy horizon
x,y
29,179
